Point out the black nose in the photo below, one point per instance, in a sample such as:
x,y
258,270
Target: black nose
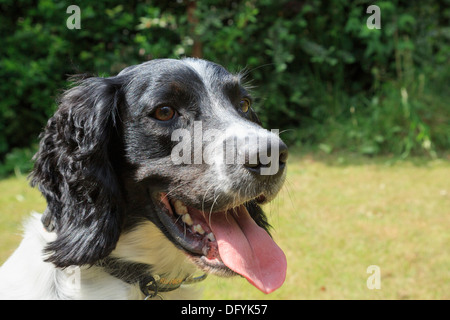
x,y
267,160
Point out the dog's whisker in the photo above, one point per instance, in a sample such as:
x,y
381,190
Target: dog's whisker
x,y
204,197
177,187
289,183
212,206
286,130
236,212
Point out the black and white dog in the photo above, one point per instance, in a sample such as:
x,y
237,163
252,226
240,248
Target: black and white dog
x,y
150,177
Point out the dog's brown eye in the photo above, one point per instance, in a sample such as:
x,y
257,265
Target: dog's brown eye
x,y
164,113
245,105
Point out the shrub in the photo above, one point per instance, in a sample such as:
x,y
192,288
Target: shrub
x,y
312,63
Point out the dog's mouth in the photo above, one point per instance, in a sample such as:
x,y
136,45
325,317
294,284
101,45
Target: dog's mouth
x,y
225,242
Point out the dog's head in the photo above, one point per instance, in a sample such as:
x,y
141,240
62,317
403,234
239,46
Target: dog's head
x,y
173,142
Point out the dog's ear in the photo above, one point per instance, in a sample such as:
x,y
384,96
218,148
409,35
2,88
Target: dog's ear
x,y
76,172
258,215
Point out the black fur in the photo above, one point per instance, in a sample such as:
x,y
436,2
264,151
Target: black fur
x,y
75,171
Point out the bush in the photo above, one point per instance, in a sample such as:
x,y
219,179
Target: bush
x,y
18,161
312,63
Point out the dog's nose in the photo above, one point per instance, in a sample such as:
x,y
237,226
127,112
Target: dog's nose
x,y
267,160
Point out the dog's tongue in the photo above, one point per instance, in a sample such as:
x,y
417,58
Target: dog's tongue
x,y
248,249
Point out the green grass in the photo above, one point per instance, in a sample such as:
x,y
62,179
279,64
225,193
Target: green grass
x,y
335,217
17,201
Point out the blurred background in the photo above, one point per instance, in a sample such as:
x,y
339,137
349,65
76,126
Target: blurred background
x,y
369,107
316,67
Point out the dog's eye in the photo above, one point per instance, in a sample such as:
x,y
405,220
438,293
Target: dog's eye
x,y
244,104
164,113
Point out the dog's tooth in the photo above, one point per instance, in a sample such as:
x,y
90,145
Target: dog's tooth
x,y
205,250
198,228
187,219
210,236
179,207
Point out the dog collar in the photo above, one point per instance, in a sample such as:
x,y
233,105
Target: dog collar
x,y
139,273
151,285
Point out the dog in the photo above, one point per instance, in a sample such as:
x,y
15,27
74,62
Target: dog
x,y
128,217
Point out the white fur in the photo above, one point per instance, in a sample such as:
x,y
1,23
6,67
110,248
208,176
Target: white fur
x,y
25,275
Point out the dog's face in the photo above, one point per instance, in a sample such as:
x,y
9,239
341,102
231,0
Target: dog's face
x,y
172,142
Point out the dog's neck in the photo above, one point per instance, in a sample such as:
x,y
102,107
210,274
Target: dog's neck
x,y
145,258
151,277
151,285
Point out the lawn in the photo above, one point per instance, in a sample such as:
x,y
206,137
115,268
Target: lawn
x,y
335,217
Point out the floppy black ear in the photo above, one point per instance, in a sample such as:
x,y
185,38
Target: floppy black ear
x,y
75,171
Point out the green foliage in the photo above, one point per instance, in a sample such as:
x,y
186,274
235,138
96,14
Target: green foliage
x,y
17,161
316,67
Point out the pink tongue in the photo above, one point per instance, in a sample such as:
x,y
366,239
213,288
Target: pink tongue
x,y
248,249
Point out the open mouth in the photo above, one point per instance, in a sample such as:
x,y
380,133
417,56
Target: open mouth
x,y
225,242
